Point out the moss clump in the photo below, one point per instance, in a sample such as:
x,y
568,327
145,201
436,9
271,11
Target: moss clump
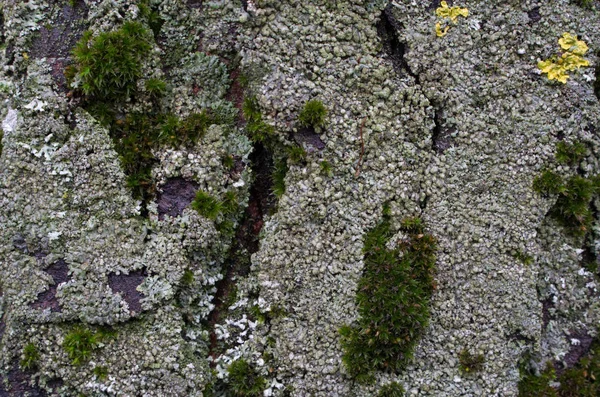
x,y
524,258
108,66
582,380
570,153
469,363
79,344
548,183
537,385
325,168
156,87
30,357
393,300
244,381
296,153
207,205
188,278
101,372
258,130
393,389
279,173
572,208
313,114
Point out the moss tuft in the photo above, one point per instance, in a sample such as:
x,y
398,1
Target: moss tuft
x,y
469,363
537,385
279,173
156,87
79,344
109,65
188,278
258,130
244,381
206,205
570,153
101,372
325,167
393,389
393,300
548,183
313,114
30,357
296,153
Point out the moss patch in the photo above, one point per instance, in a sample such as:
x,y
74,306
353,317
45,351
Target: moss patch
x,y
393,300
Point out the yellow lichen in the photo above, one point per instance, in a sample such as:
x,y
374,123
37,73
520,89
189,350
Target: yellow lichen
x,y
438,30
570,43
451,13
556,67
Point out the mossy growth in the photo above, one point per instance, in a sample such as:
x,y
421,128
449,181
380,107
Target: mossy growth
x,y
244,380
258,129
584,3
325,168
108,66
100,372
570,153
524,258
393,389
156,87
313,114
296,153
80,342
207,205
279,172
188,278
537,385
228,162
30,357
582,380
152,16
469,362
393,300
573,206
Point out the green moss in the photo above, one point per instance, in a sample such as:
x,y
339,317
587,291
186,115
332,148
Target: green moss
x,y
206,205
393,389
258,130
188,278
101,372
313,114
583,380
152,16
30,357
393,300
230,203
570,153
524,258
537,385
109,65
296,153
79,344
548,183
244,380
584,3
325,167
156,87
572,208
228,161
469,363
279,172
